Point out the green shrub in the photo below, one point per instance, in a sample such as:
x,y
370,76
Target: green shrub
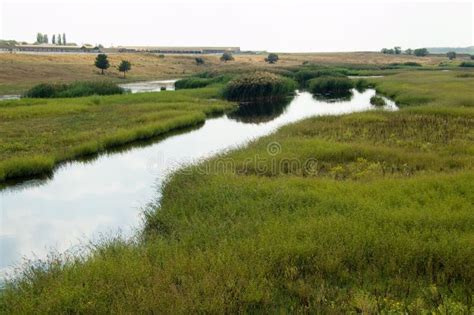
x,y
467,64
201,80
377,101
258,85
330,86
76,89
361,85
303,76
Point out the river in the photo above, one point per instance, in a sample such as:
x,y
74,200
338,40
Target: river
x,y
86,200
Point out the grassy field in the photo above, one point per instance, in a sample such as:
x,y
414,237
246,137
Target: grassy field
x,y
21,71
369,212
36,134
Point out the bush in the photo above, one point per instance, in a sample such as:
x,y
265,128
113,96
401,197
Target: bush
x,y
272,58
200,80
303,76
330,85
76,89
377,101
467,64
257,86
472,57
361,85
420,52
199,61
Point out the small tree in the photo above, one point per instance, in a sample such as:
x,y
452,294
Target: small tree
x,y
60,42
272,58
45,38
199,61
124,67
64,38
384,51
227,56
472,57
39,38
53,40
421,52
409,51
397,50
451,55
102,62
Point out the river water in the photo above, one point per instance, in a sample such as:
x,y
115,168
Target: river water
x,y
85,200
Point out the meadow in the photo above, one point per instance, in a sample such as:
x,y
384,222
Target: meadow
x,y
362,213
37,134
22,71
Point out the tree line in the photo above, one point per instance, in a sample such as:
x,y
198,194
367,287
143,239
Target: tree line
x,y
397,50
56,39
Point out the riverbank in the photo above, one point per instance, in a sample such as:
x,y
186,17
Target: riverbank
x,y
22,71
37,134
368,212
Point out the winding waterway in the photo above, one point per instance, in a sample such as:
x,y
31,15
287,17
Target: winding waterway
x,y
85,200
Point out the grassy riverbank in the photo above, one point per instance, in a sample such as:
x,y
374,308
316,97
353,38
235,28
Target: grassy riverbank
x,y
369,212
36,134
22,71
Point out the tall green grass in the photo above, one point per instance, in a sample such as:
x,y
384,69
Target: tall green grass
x,y
258,86
76,89
364,213
332,86
56,130
202,80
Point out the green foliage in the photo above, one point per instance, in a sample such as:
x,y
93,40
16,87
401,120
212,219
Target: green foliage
x,y
472,57
124,67
466,64
227,56
409,51
272,58
332,86
304,75
377,101
380,221
62,129
420,52
201,80
101,61
257,86
76,89
451,55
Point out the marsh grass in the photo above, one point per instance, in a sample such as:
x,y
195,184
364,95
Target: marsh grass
x,y
332,86
36,134
380,223
75,89
258,86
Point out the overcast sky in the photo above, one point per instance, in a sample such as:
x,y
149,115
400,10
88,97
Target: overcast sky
x,y
296,25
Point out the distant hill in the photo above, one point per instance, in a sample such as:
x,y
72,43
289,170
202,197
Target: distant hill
x,y
459,50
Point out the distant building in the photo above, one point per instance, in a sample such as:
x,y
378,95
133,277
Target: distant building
x,y
50,48
178,50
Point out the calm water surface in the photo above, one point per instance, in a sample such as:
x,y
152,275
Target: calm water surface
x,y
82,201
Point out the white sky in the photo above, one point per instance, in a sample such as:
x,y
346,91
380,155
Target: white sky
x,y
296,25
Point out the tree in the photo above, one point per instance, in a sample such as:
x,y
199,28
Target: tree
x,y
64,38
102,62
60,42
397,50
45,38
472,57
409,51
124,66
39,38
227,56
451,55
199,61
53,40
272,58
420,52
384,51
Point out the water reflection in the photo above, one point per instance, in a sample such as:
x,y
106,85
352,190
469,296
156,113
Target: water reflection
x,y
260,112
105,194
149,86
